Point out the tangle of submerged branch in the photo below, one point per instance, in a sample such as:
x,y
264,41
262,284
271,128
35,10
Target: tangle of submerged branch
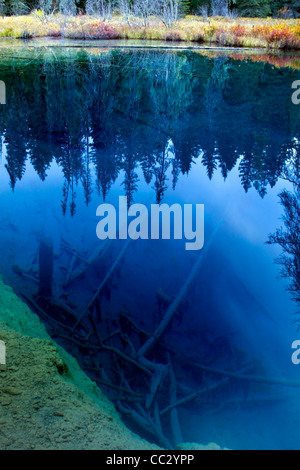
x,y
103,283
178,300
194,395
252,378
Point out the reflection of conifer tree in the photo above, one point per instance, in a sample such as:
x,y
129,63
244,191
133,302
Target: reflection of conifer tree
x,y
169,89
175,171
213,99
162,164
228,156
16,135
69,187
186,150
39,144
131,178
56,104
213,102
16,157
16,162
210,159
73,197
245,171
147,164
70,159
277,152
86,177
103,126
149,141
107,168
65,194
288,238
40,157
259,173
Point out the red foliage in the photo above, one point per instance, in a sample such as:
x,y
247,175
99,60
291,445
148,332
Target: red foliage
x,y
100,31
238,30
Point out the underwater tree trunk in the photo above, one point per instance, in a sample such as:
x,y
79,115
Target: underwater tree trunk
x,y
46,268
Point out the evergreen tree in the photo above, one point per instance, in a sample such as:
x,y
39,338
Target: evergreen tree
x,y
254,8
18,7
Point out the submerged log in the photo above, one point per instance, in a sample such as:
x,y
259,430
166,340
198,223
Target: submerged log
x,y
46,268
251,378
173,307
145,423
103,283
174,418
24,275
194,395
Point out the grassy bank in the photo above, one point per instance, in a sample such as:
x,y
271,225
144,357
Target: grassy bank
x,y
240,32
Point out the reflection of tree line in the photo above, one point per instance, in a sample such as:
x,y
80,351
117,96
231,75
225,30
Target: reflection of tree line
x,y
159,111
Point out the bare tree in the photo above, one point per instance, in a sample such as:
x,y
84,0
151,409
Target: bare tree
x,y
101,8
125,9
220,8
68,7
166,10
204,11
144,9
48,7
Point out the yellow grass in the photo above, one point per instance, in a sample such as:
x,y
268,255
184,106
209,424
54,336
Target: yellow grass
x,y
241,32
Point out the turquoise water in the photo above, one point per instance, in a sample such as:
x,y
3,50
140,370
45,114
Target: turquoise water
x,y
85,126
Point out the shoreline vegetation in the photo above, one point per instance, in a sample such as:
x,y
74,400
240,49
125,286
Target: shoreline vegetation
x,y
257,33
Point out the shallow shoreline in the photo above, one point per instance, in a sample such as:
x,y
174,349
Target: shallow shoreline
x,y
46,401
46,397
137,44
238,33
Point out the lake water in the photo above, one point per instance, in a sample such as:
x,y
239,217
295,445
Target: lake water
x,y
86,125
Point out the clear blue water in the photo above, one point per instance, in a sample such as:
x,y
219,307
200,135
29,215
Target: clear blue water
x,y
81,127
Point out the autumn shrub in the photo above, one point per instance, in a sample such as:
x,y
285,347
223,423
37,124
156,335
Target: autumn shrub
x,y
7,32
295,28
54,33
173,36
93,30
227,38
209,31
261,31
198,37
238,30
100,31
221,37
282,37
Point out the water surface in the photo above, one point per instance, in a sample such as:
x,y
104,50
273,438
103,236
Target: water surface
x,y
83,126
